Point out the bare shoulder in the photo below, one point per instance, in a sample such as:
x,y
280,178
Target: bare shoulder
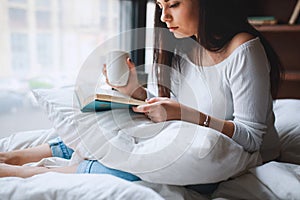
x,y
238,40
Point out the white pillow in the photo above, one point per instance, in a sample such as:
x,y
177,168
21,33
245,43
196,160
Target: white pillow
x,y
61,106
173,152
287,123
26,139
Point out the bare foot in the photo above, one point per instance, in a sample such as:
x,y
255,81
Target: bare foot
x,y
2,157
9,158
20,157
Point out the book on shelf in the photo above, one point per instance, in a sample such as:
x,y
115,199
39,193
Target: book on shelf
x,y
262,20
104,99
295,14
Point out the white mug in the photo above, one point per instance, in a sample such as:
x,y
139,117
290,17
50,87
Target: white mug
x,y
116,68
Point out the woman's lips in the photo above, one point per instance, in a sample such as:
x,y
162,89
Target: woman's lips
x,y
172,29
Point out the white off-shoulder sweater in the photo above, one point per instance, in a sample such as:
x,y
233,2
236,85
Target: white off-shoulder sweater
x,y
236,89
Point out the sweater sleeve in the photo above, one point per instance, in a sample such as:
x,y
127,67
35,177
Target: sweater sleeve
x,y
250,87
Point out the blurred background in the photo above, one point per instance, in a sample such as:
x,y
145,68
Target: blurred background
x,y
44,42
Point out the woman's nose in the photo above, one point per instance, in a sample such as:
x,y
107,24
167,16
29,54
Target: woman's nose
x,y
165,15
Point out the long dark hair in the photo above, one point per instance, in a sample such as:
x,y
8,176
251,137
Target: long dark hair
x,y
219,22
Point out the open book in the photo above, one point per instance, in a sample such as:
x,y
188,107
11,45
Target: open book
x,y
104,99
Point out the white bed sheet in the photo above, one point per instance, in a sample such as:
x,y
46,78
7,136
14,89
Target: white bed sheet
x,y
273,180
77,186
73,186
268,181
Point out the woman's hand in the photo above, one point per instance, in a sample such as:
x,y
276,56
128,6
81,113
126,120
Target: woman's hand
x,y
133,88
160,109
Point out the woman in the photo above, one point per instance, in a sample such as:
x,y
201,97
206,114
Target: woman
x,y
227,45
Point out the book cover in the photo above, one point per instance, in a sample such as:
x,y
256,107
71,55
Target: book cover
x,y
262,20
104,99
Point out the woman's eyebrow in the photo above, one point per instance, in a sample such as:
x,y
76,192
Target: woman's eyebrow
x,y
164,1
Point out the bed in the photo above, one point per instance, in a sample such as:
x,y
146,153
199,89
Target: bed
x,y
276,179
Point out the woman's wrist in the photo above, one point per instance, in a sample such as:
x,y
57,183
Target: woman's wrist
x,y
190,115
194,116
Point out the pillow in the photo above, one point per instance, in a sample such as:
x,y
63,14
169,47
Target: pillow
x,y
61,105
26,139
173,152
287,123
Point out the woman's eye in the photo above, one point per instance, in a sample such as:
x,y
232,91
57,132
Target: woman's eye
x,y
174,5
158,6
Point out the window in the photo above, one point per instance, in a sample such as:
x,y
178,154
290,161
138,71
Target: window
x,y
43,19
18,1
44,43
149,38
44,51
43,3
17,18
20,56
52,32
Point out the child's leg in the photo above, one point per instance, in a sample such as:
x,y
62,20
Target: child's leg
x,y
20,157
28,171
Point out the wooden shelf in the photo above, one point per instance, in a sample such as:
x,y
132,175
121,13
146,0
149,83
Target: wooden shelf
x,y
284,38
279,28
280,9
292,76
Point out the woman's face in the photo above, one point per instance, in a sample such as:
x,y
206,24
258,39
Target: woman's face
x,y
180,16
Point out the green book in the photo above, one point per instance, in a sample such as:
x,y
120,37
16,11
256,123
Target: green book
x,y
262,20
103,100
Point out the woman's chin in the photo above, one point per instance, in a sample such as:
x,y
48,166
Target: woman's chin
x,y
180,35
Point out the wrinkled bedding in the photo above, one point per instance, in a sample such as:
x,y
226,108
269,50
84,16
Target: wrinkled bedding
x,y
130,142
272,180
268,181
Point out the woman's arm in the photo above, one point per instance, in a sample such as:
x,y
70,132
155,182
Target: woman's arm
x,y
161,109
200,118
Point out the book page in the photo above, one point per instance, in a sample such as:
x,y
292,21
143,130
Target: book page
x,y
111,93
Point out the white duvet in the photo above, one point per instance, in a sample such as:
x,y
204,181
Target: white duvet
x,y
156,151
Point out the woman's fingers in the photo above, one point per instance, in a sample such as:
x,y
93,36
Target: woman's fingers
x,y
105,73
130,64
156,99
141,109
104,70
